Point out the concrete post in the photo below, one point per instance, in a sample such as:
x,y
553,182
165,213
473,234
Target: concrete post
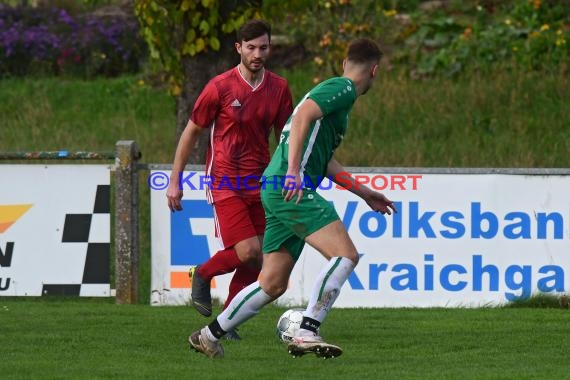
x,y
126,223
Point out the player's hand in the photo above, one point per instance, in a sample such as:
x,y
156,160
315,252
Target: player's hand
x,y
379,203
292,187
174,196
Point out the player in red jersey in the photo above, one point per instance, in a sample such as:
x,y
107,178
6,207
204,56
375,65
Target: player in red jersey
x,y
240,106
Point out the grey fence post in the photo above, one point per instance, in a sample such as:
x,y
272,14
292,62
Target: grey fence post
x,y
126,223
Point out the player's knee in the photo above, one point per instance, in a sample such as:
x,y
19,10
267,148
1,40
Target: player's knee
x,y
276,291
250,255
273,289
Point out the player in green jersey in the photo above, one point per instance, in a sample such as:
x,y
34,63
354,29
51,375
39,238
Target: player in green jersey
x,y
295,213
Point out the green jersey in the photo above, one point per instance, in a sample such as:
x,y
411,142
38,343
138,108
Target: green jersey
x,y
335,97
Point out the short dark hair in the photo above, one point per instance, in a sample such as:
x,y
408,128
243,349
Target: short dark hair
x,y
364,50
253,29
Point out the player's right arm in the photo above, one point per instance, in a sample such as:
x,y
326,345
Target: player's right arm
x,y
203,114
308,112
185,145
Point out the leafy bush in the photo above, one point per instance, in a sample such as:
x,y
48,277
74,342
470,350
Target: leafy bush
x,y
52,41
531,34
432,37
325,27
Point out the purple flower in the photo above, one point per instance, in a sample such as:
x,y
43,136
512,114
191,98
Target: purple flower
x,y
107,45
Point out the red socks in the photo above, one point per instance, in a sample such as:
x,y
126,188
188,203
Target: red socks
x,y
227,261
222,262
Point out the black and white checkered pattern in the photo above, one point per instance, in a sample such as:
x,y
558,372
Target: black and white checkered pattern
x,y
93,230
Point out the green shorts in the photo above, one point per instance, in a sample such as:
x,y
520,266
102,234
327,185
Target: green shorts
x,y
287,224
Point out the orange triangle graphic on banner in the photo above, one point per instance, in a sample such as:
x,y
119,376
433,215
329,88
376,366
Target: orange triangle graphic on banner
x,y
9,214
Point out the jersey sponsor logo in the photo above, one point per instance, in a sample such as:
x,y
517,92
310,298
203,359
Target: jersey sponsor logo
x,y
236,103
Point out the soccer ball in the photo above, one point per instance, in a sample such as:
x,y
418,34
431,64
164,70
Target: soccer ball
x,y
288,324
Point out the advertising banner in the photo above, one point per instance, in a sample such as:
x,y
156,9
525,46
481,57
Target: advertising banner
x,y
54,230
457,240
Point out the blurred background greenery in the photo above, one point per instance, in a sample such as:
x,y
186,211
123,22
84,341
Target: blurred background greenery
x,y
446,37
464,83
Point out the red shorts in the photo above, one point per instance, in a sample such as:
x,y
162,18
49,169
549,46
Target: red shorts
x,y
238,218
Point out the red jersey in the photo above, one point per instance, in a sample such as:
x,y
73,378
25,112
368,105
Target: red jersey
x,y
241,118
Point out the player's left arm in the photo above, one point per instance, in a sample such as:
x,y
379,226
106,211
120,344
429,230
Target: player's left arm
x,y
376,200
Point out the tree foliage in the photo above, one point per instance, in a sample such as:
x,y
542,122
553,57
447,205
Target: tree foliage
x,y
178,29
326,27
